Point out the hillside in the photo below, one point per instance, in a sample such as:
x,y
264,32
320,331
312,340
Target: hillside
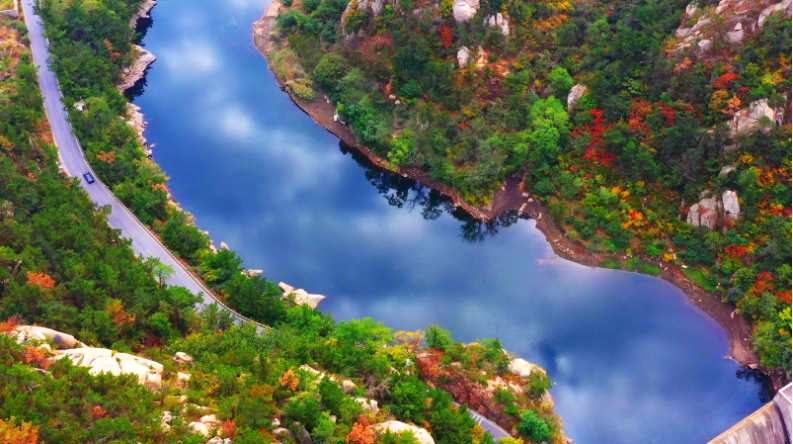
x,y
655,134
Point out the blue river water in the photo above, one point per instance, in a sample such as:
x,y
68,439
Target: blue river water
x,y
631,359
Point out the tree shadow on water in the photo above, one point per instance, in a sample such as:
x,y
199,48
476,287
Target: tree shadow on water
x,y
765,391
403,192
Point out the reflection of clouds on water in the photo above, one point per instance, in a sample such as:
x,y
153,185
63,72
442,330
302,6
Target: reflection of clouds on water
x,y
191,60
632,361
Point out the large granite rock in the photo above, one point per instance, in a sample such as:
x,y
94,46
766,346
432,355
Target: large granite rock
x,y
575,95
23,333
707,211
732,207
102,360
522,367
421,435
369,405
463,56
464,10
301,296
747,120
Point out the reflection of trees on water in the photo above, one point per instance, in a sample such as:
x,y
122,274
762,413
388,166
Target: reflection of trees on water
x,y
402,192
766,386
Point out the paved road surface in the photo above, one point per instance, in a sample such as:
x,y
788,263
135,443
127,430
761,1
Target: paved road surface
x,y
488,425
143,242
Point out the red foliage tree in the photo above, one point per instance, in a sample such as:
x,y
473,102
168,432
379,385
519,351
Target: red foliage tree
x,y
446,36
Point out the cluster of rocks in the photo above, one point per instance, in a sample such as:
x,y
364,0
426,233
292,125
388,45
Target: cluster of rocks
x,y
102,360
301,297
736,16
748,120
498,20
710,209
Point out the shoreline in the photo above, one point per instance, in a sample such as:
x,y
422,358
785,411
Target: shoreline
x,y
511,197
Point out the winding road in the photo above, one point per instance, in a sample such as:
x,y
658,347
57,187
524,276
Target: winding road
x,y
143,241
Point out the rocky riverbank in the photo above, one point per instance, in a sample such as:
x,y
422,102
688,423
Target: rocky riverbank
x,y
512,197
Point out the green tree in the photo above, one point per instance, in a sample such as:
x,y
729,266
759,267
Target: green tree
x,y
534,427
560,82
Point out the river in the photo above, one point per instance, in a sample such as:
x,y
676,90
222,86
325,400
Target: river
x,y
631,359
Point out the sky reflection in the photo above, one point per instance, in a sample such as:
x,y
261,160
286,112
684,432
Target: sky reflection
x,y
632,359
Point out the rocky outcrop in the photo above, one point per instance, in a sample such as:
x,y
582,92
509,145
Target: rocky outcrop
x,y
522,367
369,405
499,20
422,436
182,358
205,425
254,273
736,18
102,360
463,56
131,74
732,207
464,10
24,333
463,391
708,210
138,123
301,296
762,18
575,95
143,12
748,120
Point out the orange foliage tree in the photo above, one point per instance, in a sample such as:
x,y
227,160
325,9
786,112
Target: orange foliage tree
x,y
25,433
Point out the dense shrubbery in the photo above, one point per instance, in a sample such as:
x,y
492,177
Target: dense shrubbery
x,y
616,167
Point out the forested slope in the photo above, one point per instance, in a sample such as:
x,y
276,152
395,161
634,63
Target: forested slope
x,y
659,130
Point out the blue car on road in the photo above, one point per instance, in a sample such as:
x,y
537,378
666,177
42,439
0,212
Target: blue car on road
x,y
88,177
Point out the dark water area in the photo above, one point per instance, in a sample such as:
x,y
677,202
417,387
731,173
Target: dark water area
x,y
632,360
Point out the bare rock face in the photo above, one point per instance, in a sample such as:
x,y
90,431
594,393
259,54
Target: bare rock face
x,y
771,10
131,74
138,123
499,20
732,207
746,121
706,212
143,12
575,95
464,10
183,358
254,273
301,296
369,405
102,360
25,333
224,246
463,56
522,367
736,35
421,435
